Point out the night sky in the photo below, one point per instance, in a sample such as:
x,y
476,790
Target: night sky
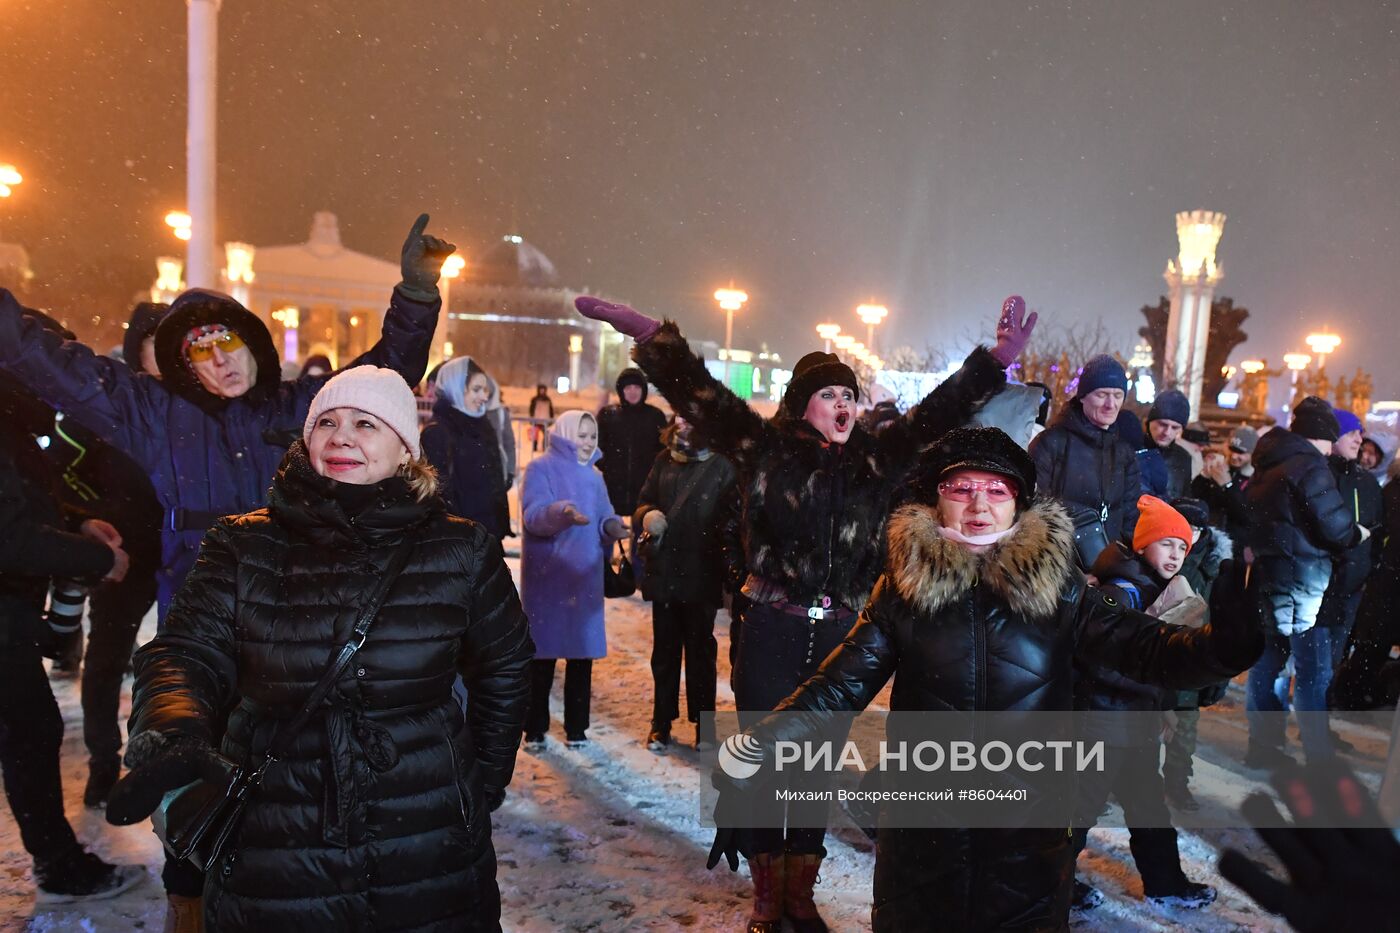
x,y
935,156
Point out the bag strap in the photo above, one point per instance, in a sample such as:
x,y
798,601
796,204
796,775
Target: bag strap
x,y
706,465
282,739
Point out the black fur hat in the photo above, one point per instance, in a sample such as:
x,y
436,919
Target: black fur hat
x,y
145,317
816,371
972,448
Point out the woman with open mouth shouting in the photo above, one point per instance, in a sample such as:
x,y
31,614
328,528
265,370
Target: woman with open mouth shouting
x,y
817,490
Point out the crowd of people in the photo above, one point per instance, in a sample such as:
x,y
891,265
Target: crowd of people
x,y
278,524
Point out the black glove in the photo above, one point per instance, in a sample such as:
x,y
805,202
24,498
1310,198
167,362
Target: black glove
x,y
421,262
495,796
1342,869
175,761
733,837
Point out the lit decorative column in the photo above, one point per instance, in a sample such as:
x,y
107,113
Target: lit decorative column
x,y
1192,278
201,167
168,280
238,270
575,359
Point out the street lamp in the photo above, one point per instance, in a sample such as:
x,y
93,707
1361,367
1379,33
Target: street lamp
x,y
871,314
1297,362
9,177
730,300
828,332
452,267
180,223
1323,344
1252,366
843,342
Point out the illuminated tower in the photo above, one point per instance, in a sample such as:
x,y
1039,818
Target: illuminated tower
x,y
1192,278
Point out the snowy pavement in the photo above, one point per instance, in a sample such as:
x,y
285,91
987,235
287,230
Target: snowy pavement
x,y
609,837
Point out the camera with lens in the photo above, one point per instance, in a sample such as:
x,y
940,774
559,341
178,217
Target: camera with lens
x,y
64,617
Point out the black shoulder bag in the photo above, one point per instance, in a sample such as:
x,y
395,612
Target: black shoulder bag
x,y
196,822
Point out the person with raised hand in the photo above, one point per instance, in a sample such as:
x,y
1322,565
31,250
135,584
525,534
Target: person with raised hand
x,y
817,490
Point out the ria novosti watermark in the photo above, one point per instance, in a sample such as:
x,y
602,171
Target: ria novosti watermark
x,y
1008,769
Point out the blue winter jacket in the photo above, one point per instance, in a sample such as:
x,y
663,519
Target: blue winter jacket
x,y
204,456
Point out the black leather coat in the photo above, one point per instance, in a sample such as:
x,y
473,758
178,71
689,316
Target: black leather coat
x,y
378,817
996,631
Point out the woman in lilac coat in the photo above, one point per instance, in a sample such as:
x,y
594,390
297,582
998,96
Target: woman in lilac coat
x,y
570,528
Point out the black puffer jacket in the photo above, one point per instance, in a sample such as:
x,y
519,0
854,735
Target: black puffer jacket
x,y
378,817
687,564
629,438
1362,496
1359,684
1098,689
1085,466
1298,521
467,455
994,631
814,513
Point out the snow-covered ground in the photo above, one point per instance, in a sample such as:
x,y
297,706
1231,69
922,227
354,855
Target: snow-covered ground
x,y
609,837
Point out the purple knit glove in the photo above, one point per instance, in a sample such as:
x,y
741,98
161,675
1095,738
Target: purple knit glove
x,y
1013,330
623,319
561,515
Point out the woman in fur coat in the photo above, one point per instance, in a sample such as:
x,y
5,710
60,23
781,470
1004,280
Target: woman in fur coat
x,y
982,608
817,491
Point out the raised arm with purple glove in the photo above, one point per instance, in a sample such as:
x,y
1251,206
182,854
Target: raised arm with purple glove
x,y
1013,330
623,319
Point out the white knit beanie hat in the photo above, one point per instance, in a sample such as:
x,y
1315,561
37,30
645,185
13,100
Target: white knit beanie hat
x,y
380,392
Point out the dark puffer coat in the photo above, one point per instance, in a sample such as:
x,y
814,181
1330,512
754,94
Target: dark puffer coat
x,y
687,564
1178,468
378,817
1298,521
814,513
467,456
1000,630
1359,684
1362,496
1098,689
37,539
629,438
205,456
1085,466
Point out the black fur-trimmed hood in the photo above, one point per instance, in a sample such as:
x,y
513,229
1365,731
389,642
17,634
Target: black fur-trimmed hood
x,y
1027,568
197,307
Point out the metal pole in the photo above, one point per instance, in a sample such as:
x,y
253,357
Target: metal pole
x,y
201,168
728,342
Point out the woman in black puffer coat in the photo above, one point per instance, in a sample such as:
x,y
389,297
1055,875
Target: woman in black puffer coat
x,y
994,623
378,818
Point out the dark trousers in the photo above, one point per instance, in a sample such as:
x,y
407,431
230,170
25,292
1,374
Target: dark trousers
x,y
578,694
1131,776
689,629
31,731
777,652
115,611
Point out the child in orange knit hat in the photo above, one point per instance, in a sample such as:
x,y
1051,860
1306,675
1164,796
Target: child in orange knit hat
x,y
1126,715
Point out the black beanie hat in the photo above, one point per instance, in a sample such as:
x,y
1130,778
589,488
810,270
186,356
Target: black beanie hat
x,y
145,317
1171,405
815,371
972,448
1314,419
1193,510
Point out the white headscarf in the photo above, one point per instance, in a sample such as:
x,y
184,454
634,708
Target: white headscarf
x,y
567,424
452,379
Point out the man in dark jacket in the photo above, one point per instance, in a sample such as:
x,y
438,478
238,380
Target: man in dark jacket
x,y
1223,480
629,435
1298,523
37,542
1168,417
682,511
1362,496
1083,462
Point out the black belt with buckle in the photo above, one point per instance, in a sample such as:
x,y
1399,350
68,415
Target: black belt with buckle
x,y
194,519
816,613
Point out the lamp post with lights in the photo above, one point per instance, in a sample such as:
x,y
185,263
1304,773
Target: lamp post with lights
x,y
828,333
872,314
1323,344
452,267
730,300
1297,362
